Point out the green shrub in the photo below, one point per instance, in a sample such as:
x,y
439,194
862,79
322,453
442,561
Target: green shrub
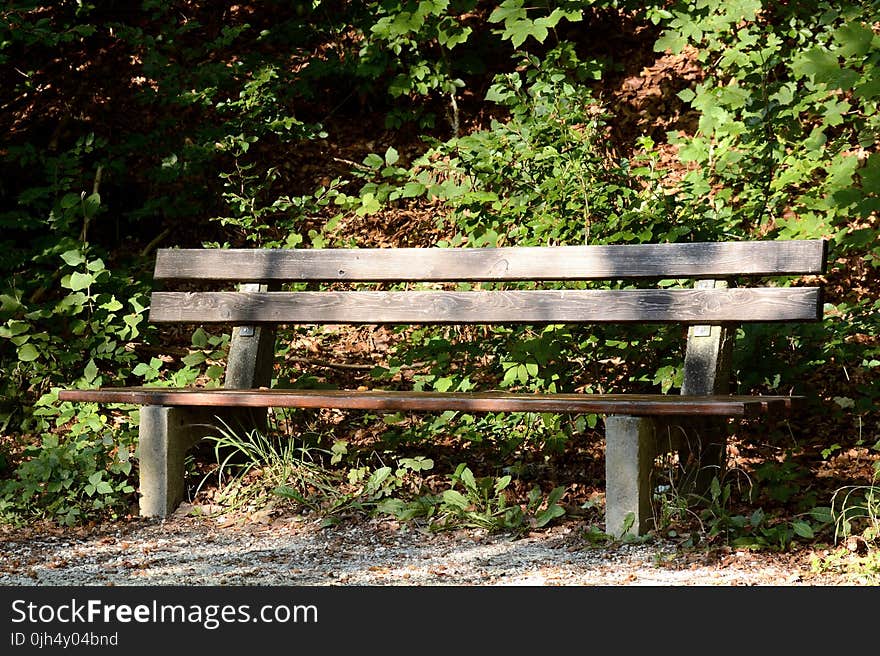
x,y
71,479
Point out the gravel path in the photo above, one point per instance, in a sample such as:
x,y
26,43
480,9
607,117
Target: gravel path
x,y
292,550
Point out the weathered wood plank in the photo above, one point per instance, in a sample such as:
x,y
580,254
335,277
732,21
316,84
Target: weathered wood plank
x,y
392,401
766,304
681,260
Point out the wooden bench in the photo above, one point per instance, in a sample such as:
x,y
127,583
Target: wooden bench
x,y
638,426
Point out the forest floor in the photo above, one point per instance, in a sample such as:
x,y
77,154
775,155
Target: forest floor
x,y
296,550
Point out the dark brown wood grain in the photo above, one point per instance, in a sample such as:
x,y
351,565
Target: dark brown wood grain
x,y
392,401
680,260
766,304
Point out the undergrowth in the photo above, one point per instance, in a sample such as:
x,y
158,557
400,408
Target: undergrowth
x,y
256,470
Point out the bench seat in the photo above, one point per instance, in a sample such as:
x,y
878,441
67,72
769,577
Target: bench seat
x,y
381,400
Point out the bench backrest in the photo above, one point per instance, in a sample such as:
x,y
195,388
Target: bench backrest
x,y
703,304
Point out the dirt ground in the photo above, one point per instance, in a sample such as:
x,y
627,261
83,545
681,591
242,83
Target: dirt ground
x,y
295,550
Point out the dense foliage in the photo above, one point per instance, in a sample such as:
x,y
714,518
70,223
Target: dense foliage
x,y
135,125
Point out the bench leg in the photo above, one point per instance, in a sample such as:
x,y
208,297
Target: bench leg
x,y
166,434
630,448
707,366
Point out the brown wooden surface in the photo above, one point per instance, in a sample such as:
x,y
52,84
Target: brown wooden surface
x,y
682,260
525,306
623,404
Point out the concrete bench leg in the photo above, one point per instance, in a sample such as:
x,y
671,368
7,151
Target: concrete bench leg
x,y
166,434
630,448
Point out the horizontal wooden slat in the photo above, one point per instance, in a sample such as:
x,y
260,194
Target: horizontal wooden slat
x,y
684,260
529,306
392,401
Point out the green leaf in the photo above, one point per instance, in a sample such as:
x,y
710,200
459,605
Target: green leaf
x,y
73,257
715,488
104,488
519,31
141,369
502,483
392,419
199,338
369,205
9,303
443,384
214,372
91,204
289,493
507,11
467,478
854,39
555,495
28,353
870,88
870,172
374,161
456,499
193,359
628,522
803,529
557,15
413,189
112,305
817,64
391,156
14,327
498,93
549,515
69,200
377,478
822,514
672,41
90,371
95,265
757,518
80,281
449,38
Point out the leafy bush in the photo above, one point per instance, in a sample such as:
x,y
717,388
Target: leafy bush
x,y
71,479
